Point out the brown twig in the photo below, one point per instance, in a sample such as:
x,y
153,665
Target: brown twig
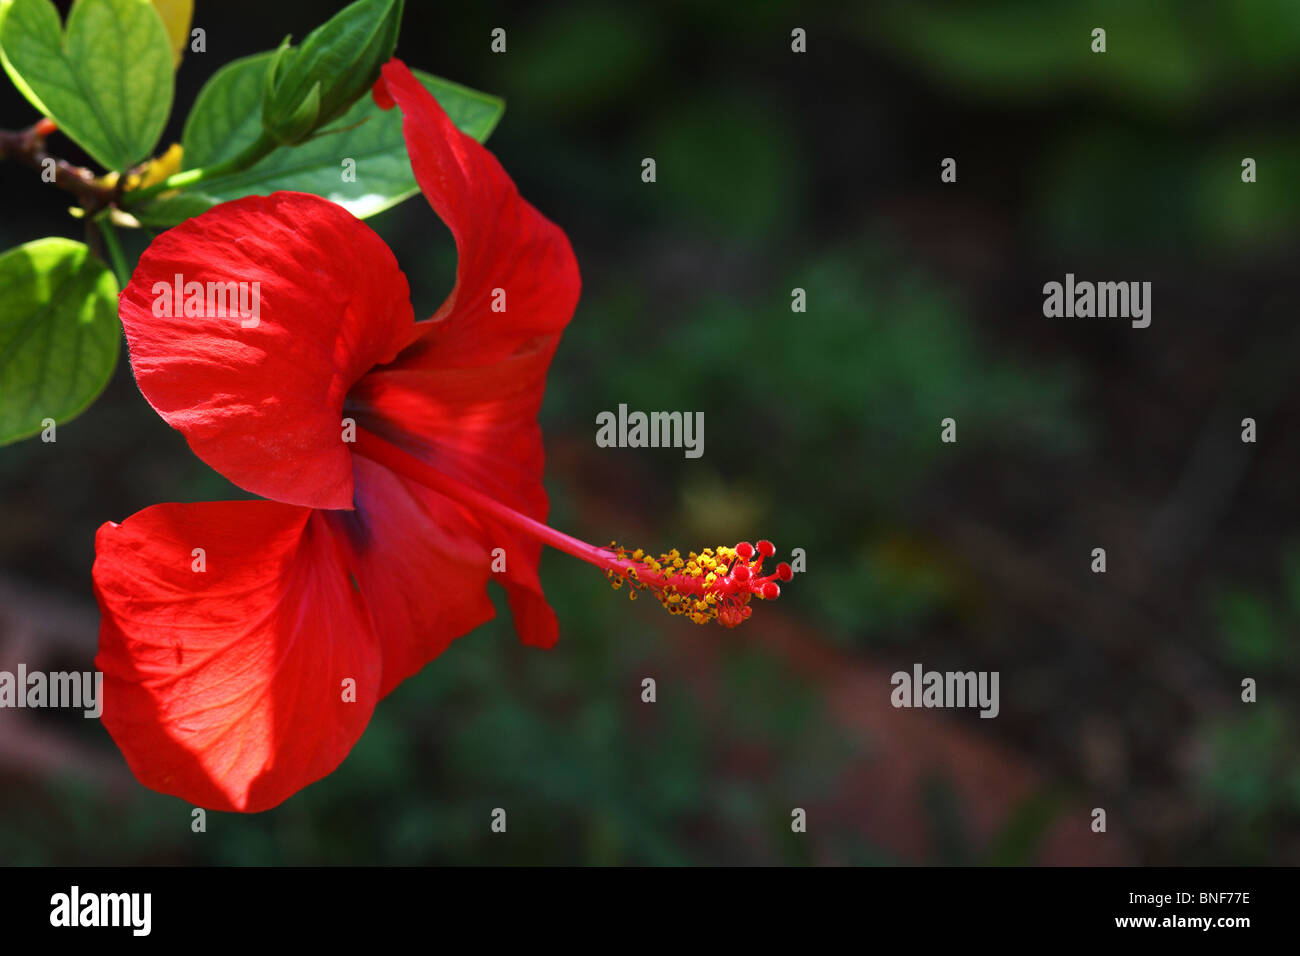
x,y
28,147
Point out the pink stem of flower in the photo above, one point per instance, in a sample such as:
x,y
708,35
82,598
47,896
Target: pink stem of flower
x,y
396,460
723,594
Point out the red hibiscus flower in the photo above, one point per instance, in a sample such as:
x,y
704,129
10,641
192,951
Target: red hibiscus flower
x,y
244,644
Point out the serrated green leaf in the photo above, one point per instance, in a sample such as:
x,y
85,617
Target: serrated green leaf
x,y
59,334
107,81
225,120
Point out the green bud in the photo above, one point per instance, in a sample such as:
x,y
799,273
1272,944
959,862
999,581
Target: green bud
x,y
279,61
298,125
311,85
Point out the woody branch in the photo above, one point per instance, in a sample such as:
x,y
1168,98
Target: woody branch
x,y
28,147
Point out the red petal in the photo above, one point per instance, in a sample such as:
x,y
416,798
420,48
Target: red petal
x,y
465,396
422,570
263,405
226,687
478,425
502,242
382,98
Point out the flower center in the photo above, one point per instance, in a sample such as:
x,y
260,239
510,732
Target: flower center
x,y
713,585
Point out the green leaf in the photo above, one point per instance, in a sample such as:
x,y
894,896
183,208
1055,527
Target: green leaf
x,y
59,334
107,82
224,121
225,118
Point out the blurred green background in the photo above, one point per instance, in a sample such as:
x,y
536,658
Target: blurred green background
x,y
819,171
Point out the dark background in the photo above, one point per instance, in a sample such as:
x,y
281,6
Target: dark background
x,y
820,171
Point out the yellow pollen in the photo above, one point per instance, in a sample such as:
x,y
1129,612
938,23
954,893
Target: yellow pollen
x,y
700,586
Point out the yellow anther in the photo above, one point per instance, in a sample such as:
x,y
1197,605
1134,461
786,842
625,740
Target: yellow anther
x,y
706,594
